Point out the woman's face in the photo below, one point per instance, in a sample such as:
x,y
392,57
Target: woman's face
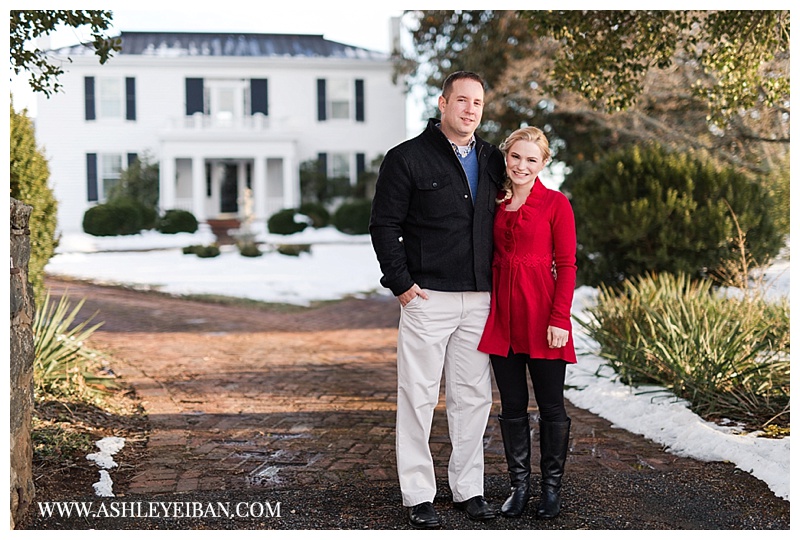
x,y
524,162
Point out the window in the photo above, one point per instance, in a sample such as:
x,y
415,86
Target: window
x,y
339,166
228,99
110,97
110,169
102,173
225,104
340,99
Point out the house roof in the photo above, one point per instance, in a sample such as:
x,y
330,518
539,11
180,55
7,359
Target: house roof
x,y
177,44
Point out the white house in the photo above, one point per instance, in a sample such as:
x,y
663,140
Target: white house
x,y
220,112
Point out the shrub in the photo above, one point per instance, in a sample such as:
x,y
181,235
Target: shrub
x,y
120,217
138,182
320,217
207,252
643,209
293,250
177,221
726,356
316,186
149,217
353,217
313,182
29,175
249,250
204,252
283,222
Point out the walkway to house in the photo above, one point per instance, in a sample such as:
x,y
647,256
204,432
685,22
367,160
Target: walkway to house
x,y
297,406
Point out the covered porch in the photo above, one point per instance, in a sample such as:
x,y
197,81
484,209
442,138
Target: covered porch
x,y
227,180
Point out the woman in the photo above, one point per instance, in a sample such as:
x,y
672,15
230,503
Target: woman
x,y
529,324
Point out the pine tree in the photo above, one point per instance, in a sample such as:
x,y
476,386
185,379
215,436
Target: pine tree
x,y
643,209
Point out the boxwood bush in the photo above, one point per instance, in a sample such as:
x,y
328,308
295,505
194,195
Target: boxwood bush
x,y
353,217
119,217
177,221
204,252
320,217
293,250
283,222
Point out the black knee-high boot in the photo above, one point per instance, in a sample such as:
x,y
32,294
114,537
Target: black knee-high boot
x,y
517,444
554,443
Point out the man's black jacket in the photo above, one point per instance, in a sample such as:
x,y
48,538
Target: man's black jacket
x,y
425,228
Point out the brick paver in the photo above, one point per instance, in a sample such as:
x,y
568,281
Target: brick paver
x,y
242,397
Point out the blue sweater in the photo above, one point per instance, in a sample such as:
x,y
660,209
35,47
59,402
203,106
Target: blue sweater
x,y
470,164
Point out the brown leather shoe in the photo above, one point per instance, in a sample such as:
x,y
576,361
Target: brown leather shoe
x,y
477,508
424,516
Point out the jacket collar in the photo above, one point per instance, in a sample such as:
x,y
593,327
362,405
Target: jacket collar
x,y
437,134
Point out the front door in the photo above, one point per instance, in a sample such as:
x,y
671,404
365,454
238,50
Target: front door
x,y
229,189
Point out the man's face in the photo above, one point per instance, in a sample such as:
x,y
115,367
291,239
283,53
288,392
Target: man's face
x,y
462,110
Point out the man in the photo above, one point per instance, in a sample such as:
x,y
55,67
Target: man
x,y
431,228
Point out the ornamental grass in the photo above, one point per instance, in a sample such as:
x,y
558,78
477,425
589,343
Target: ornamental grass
x,y
727,355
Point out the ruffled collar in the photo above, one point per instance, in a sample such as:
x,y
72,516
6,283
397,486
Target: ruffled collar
x,y
538,192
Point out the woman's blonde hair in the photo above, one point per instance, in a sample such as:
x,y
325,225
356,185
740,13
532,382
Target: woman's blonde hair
x,y
528,134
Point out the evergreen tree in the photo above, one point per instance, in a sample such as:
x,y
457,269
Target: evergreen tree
x,y
29,175
643,209
138,182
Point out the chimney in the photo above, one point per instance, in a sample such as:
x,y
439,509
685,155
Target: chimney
x,y
394,35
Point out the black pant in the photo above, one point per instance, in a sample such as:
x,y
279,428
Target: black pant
x,y
547,377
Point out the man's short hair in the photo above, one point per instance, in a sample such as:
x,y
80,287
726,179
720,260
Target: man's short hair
x,y
447,87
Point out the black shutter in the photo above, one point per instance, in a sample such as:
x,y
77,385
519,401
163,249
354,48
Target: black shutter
x,y
322,164
359,100
258,96
321,100
88,85
194,96
361,164
91,177
132,158
130,98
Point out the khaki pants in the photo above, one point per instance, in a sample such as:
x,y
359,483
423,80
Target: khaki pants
x,y
438,335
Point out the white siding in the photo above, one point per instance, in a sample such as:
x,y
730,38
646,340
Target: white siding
x,y
291,132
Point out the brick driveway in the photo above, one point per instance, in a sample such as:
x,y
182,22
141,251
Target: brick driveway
x,y
240,398
244,397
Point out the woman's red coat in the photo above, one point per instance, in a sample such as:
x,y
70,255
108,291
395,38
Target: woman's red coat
x,y
533,275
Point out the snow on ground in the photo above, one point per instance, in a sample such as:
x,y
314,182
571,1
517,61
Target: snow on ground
x,y
341,265
338,265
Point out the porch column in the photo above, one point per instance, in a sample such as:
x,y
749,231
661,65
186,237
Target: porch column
x,y
199,188
260,187
167,181
291,183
